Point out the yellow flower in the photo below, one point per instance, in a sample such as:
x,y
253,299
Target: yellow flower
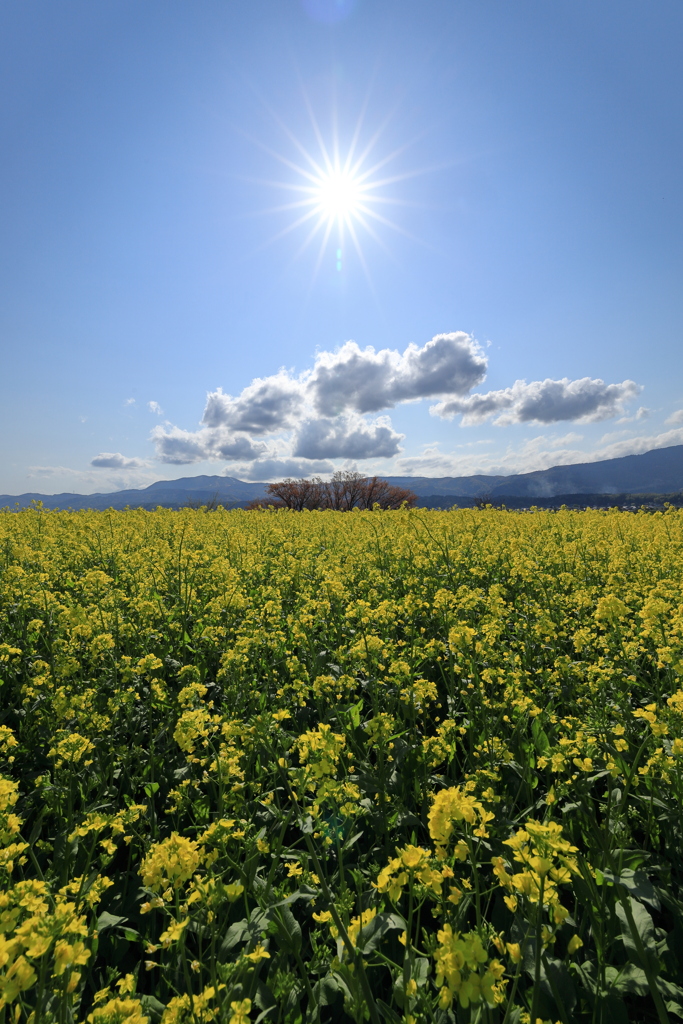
x,y
173,932
69,954
240,1012
412,856
358,923
257,954
119,1011
171,862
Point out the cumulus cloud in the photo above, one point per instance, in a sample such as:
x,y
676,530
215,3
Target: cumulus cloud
x,y
542,401
271,469
155,408
129,401
329,411
324,409
180,447
347,438
268,405
676,418
367,381
115,460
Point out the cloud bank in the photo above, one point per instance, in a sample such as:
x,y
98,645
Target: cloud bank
x,y
540,452
115,460
542,401
337,408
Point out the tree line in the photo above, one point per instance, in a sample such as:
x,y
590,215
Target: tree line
x,y
345,491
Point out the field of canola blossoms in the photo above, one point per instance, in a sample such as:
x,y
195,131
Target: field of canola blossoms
x,y
401,766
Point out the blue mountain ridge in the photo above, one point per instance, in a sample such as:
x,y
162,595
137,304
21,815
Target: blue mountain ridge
x,y
659,471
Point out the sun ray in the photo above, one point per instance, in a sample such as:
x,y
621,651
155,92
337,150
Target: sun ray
x,y
336,188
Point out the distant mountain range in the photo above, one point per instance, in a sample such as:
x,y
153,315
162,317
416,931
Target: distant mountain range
x,y
659,471
655,472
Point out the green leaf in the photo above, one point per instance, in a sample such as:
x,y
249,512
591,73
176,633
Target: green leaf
x,y
540,737
107,920
287,929
627,979
300,894
387,1012
264,1000
646,933
370,937
153,1007
557,983
637,884
351,841
242,931
327,990
421,969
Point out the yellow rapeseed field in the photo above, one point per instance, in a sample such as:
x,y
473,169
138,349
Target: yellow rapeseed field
x,y
397,767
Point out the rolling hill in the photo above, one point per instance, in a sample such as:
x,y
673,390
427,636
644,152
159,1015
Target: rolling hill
x,y
659,471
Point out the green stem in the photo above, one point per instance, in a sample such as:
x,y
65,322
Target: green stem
x,y
537,951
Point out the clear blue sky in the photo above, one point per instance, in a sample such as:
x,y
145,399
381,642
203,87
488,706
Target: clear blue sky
x,y
526,152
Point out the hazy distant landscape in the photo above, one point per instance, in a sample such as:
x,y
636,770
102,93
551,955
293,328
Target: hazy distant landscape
x,y
652,473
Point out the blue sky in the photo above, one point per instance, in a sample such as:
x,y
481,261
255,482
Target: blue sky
x,y
161,314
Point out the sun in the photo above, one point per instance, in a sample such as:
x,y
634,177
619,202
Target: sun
x,y
337,189
338,195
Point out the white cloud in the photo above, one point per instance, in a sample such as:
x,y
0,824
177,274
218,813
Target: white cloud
x,y
278,469
368,381
347,437
180,447
129,401
676,418
268,405
114,460
155,408
325,412
642,413
64,478
542,401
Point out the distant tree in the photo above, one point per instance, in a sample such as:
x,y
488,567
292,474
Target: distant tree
x,y
376,491
345,491
207,506
295,494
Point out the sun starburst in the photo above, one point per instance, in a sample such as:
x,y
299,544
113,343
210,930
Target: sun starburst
x,y
336,195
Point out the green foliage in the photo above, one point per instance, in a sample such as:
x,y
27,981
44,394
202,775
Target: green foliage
x,y
294,767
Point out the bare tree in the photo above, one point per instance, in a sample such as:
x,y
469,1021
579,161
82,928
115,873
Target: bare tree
x,y
207,506
380,492
345,491
294,494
